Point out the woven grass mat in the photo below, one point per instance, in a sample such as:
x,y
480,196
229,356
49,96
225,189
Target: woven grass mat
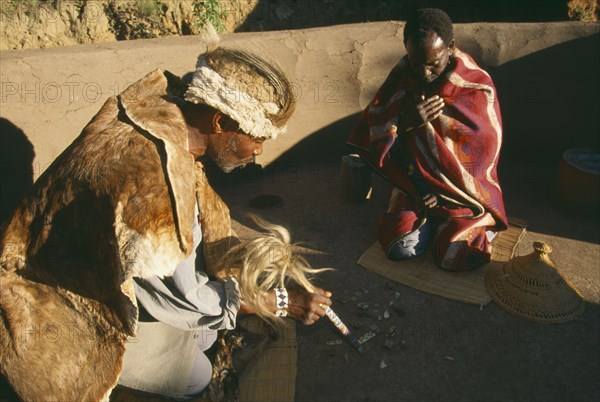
x,y
273,376
421,273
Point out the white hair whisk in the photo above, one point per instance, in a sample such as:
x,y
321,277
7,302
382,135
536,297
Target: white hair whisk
x,y
269,261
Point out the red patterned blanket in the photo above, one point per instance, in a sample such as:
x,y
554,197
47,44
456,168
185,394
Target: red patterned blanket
x,y
456,154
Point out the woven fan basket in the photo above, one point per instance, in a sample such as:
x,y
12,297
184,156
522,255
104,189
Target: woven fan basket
x,y
531,287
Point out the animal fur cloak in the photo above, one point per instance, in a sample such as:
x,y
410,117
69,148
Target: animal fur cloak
x,y
116,204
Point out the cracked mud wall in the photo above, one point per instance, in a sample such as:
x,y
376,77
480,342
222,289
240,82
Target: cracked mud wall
x,y
50,94
26,24
33,24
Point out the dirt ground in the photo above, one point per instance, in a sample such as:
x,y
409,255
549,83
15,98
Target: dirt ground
x,y
442,350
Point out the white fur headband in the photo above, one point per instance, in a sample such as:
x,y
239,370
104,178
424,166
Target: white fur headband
x,y
210,88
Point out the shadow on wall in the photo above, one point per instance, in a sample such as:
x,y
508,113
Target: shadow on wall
x,y
271,15
548,106
550,100
16,162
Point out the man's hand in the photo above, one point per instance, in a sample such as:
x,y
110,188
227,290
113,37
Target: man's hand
x,y
305,306
425,111
428,201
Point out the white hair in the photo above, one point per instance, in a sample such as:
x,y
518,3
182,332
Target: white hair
x,y
267,262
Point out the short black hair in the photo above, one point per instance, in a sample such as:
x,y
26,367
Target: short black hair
x,y
426,20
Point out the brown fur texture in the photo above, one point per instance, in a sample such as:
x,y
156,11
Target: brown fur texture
x,y
118,203
215,221
224,382
50,337
236,352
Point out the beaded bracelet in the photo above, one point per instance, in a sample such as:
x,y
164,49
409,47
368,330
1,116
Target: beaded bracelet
x,y
281,301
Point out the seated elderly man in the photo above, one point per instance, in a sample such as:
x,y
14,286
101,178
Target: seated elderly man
x,y
125,223
434,132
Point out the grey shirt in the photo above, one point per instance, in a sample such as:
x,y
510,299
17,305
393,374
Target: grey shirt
x,y
190,309
189,300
